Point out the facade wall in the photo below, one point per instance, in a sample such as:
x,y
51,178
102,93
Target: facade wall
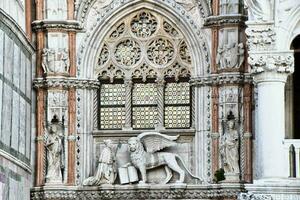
x,y
16,68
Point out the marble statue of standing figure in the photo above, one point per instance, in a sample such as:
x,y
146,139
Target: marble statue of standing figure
x,y
106,171
54,148
230,146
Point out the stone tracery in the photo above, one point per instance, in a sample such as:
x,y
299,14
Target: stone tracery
x,y
145,48
144,40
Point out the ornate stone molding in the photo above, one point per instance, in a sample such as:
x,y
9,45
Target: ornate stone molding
x,y
251,196
220,79
72,25
139,192
66,83
260,36
221,20
281,62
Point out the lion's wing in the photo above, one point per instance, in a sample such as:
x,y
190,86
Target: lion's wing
x,y
154,141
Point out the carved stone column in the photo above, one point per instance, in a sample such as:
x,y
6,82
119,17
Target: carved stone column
x,y
215,129
128,91
270,71
160,102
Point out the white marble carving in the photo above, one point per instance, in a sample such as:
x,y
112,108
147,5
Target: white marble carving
x,y
230,149
56,9
55,61
259,10
230,55
127,173
57,104
106,171
55,151
251,196
151,157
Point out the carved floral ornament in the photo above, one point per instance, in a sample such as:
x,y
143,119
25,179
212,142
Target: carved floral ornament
x,y
144,45
281,63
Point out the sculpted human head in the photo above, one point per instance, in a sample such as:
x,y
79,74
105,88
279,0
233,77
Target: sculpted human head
x,y
133,144
108,143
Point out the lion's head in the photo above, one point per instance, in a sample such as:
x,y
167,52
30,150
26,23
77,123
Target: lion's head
x,y
134,144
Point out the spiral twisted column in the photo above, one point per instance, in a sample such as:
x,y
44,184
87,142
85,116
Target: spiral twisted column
x,y
160,103
128,93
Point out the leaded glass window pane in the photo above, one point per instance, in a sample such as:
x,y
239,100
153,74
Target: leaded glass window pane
x,y
112,106
144,106
177,105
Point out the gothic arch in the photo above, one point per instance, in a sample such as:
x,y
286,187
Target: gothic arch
x,y
289,29
195,37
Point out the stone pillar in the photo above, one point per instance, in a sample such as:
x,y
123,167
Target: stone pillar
x,y
128,91
270,73
160,102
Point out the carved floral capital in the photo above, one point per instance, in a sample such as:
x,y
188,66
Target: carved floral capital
x,y
281,62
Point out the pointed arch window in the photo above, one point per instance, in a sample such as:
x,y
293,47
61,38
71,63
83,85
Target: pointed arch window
x,y
144,67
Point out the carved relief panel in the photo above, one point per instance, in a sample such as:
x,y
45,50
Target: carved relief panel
x,y
55,58
230,53
57,105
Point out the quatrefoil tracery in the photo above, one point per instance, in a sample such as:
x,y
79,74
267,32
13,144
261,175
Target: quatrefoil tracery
x,y
144,44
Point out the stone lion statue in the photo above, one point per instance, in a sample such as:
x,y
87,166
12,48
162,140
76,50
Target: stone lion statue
x,y
150,157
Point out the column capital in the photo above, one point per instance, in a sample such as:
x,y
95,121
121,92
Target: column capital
x,y
271,66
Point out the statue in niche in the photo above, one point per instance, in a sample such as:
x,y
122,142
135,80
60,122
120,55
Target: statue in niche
x,y
55,151
151,157
230,146
106,171
127,173
55,61
230,55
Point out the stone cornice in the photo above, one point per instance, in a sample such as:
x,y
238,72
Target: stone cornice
x,y
281,62
221,79
223,20
170,191
67,25
65,82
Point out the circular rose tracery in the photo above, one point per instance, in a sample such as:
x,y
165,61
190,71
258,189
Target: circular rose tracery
x,y
160,51
128,52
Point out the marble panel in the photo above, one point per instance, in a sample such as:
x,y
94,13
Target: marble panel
x,y
8,58
22,133
1,99
56,9
1,50
23,73
57,41
15,121
16,68
7,109
28,127
28,78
